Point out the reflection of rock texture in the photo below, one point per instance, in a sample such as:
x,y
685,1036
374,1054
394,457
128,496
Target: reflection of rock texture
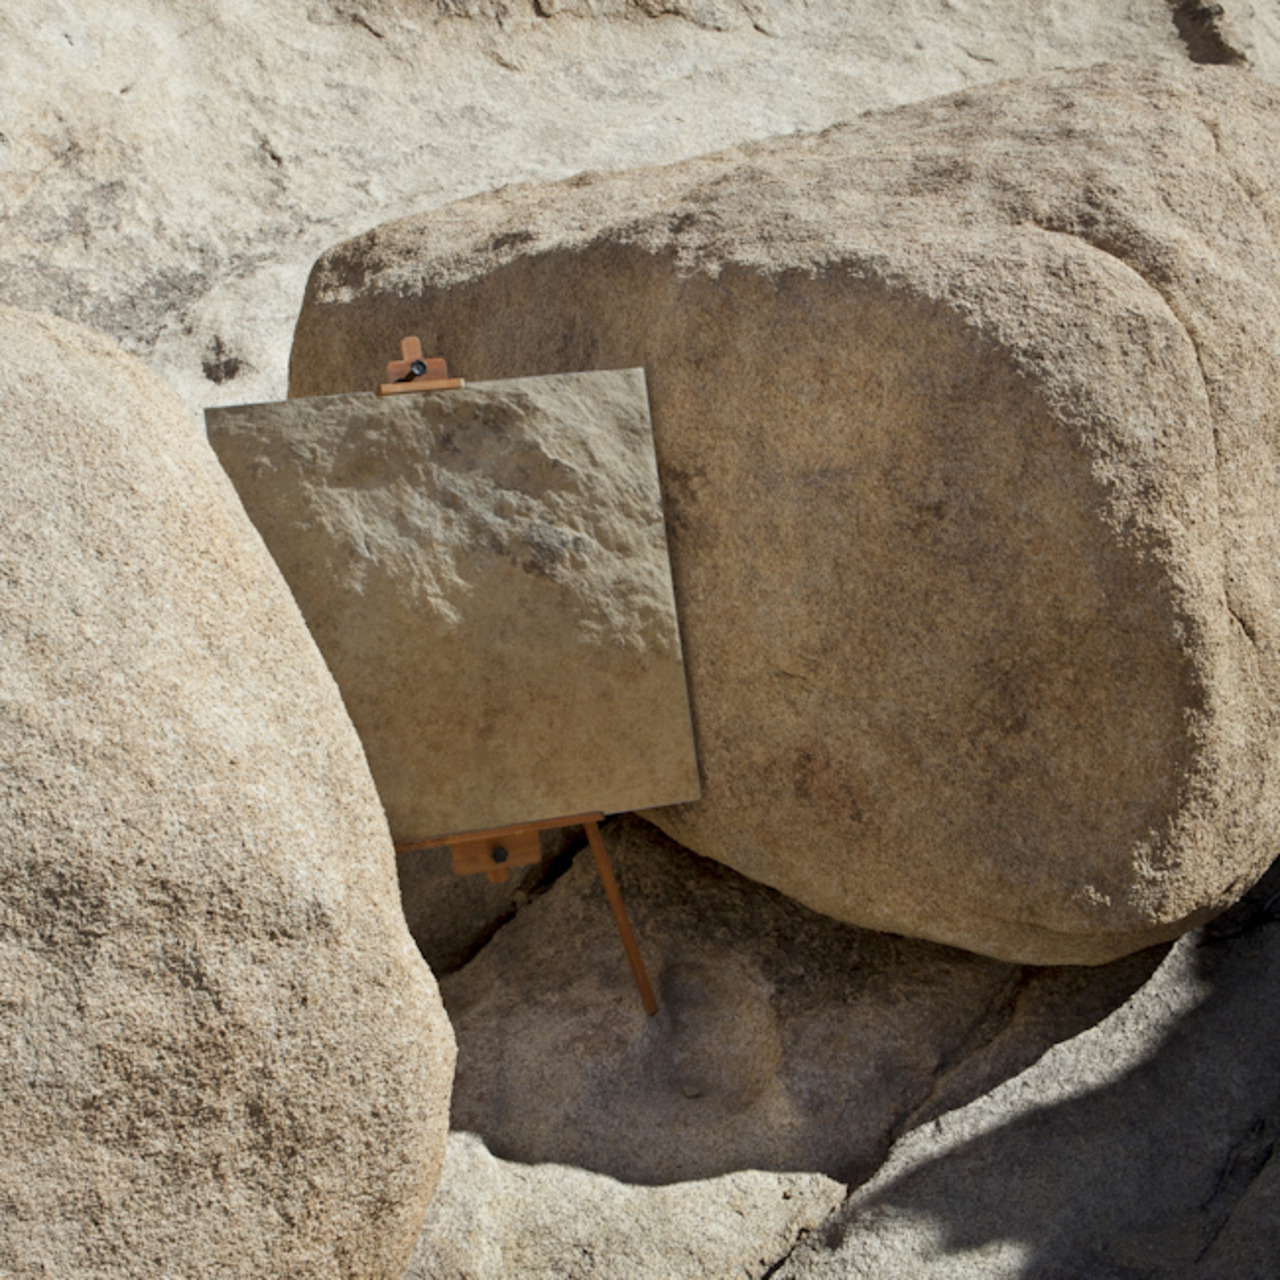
x,y
219,1053
494,1220
1145,1146
965,414
486,573
783,1041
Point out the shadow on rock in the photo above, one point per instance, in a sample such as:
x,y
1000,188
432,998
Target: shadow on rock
x,y
784,1040
1142,1148
452,917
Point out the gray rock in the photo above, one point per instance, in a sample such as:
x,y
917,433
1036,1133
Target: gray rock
x,y
220,1054
493,1220
1246,1244
1144,1146
169,174
965,418
784,1041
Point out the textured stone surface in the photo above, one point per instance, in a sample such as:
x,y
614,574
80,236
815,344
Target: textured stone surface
x,y
1144,1146
485,571
783,1041
1247,1244
492,1220
1098,1123
967,421
220,1054
170,170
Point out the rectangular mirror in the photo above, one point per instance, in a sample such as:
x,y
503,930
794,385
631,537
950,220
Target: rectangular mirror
x,y
486,572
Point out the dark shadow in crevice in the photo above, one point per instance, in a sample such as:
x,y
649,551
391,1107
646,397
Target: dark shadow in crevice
x,y
453,918
1199,26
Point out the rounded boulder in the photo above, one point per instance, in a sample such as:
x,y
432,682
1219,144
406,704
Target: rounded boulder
x,y
221,1052
966,422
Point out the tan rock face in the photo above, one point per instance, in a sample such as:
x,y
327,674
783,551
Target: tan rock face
x,y
494,1219
221,1054
169,173
486,573
966,419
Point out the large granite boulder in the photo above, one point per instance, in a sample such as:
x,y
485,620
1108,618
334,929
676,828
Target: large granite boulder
x,y
221,1054
966,419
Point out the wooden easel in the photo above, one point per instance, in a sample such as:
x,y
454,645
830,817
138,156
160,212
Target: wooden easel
x,y
498,849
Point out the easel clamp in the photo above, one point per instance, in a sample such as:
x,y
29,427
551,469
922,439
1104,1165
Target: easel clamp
x,y
416,372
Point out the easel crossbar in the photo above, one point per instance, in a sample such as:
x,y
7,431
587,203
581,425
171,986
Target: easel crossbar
x,y
496,833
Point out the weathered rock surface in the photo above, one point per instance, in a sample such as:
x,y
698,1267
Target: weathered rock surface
x,y
1093,1123
492,1220
485,571
169,173
221,1055
966,417
1144,1146
784,1042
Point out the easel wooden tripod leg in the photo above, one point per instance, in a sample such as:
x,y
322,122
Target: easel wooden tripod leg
x,y
614,894
497,848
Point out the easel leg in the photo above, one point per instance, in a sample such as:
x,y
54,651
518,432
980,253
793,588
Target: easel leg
x,y
614,894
